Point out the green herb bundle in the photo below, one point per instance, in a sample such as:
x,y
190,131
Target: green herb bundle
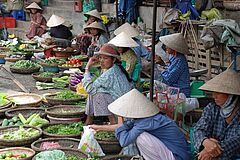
x,y
25,64
74,128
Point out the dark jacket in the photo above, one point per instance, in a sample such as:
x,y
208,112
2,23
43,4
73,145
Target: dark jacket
x,y
60,31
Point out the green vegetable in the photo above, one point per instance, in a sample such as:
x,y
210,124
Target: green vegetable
x,y
46,74
67,94
25,64
23,155
51,155
23,120
52,61
104,134
75,128
3,99
5,122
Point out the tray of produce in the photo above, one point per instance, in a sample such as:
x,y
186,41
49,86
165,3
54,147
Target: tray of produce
x,y
27,100
45,76
65,111
26,112
62,154
79,57
14,58
15,153
73,130
54,143
4,102
24,67
52,61
106,136
65,97
19,135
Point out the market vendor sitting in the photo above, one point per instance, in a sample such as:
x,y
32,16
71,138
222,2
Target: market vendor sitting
x,y
217,133
38,22
110,85
61,34
176,73
157,136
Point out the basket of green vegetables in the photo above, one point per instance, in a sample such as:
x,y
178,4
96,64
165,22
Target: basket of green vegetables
x,y
26,112
19,135
24,67
65,111
65,97
45,76
51,64
14,153
108,142
73,130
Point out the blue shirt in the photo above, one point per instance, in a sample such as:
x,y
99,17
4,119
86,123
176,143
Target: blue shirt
x,y
177,74
159,126
213,125
112,81
141,51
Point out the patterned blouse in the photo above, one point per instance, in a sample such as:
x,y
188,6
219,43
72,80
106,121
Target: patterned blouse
x,y
131,59
112,81
213,125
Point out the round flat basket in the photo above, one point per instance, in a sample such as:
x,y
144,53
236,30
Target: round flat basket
x,y
80,57
24,71
63,143
2,111
65,111
37,77
27,100
231,5
26,112
110,146
53,101
117,157
67,67
70,152
49,135
22,142
18,151
9,104
14,59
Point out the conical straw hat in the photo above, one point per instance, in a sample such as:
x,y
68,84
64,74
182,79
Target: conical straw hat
x,y
176,42
55,21
123,40
109,50
96,25
133,105
93,13
34,5
128,29
226,82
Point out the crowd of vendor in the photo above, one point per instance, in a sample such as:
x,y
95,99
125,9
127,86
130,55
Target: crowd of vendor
x,y
139,123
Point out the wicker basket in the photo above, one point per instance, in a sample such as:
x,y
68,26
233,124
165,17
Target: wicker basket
x,y
57,111
48,135
14,59
24,71
110,146
35,100
71,152
63,142
44,79
26,112
9,104
2,111
22,142
18,151
117,157
84,58
232,5
53,101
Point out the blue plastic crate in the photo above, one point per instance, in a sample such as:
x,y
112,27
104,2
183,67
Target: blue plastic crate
x,y
19,15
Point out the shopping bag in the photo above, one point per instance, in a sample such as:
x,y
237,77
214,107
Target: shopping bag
x,y
88,144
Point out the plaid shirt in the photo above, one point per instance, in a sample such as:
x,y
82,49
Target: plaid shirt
x,y
212,125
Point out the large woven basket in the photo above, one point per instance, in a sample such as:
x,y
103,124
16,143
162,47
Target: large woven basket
x,y
71,152
63,142
24,71
18,151
110,146
53,101
26,112
49,135
22,142
9,104
32,100
117,157
59,111
233,5
14,59
44,79
2,111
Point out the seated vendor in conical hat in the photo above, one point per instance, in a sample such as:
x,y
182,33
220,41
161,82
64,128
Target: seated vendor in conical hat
x,y
217,133
156,136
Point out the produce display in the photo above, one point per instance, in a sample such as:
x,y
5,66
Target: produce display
x,y
79,57
75,79
72,63
74,128
67,94
49,145
15,121
53,61
60,82
3,99
25,64
33,120
11,156
20,134
104,134
46,74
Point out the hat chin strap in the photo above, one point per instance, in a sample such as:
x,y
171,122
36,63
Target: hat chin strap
x,y
228,106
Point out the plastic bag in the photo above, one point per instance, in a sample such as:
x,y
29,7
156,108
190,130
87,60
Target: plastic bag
x,y
80,90
88,144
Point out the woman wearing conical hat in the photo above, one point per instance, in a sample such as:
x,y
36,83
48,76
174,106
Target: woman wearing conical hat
x,y
217,133
176,73
157,137
124,43
38,22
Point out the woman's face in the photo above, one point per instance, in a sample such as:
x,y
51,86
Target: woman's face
x,y
170,51
106,62
91,19
220,98
33,10
158,60
94,31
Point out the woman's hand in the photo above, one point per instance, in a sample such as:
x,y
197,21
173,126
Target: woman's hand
x,y
97,128
204,155
212,147
93,60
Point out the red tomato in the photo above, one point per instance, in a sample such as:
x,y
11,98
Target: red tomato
x,y
73,61
78,61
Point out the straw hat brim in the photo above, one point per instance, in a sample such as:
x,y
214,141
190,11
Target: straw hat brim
x,y
55,21
133,105
93,13
123,40
176,42
128,29
34,5
107,54
227,82
95,25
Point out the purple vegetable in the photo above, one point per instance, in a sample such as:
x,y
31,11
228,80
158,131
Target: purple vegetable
x,y
78,75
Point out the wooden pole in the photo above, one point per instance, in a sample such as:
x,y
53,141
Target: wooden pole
x,y
153,47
